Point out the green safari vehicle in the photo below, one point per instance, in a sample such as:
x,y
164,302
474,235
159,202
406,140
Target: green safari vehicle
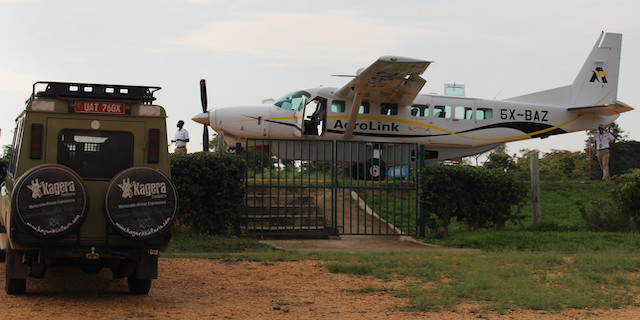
x,y
87,184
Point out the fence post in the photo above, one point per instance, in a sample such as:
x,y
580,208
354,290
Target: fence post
x,y
535,188
422,210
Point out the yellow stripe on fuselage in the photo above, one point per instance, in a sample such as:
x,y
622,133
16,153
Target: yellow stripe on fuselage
x,y
426,125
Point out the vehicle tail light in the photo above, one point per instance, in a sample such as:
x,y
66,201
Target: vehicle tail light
x,y
37,133
153,153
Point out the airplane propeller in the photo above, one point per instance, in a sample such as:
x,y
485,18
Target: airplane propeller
x,y
203,98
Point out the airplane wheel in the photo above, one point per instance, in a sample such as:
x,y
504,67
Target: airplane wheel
x,y
376,170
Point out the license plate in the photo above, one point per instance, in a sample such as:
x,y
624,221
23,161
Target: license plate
x,y
99,107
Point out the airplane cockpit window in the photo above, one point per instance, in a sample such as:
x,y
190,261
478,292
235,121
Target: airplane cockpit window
x,y
338,106
389,109
442,112
420,110
364,108
463,113
484,114
293,101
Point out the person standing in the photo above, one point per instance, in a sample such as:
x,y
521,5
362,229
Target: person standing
x,y
182,137
604,145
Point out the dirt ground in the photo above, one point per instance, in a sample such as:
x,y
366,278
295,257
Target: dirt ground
x,y
221,289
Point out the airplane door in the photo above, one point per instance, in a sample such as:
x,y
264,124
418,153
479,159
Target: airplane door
x,y
315,113
299,104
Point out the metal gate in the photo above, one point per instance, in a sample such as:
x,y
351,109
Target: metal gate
x,y
326,187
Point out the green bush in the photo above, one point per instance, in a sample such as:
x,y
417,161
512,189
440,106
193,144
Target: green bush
x,y
474,196
211,190
626,194
601,216
620,212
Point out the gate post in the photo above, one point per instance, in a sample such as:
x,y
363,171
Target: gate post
x,y
422,209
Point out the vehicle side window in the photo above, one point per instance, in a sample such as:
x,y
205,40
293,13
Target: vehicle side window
x,y
15,147
338,106
442,112
95,154
484,113
420,110
463,113
364,108
389,109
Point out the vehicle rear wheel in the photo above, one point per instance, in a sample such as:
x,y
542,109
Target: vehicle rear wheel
x,y
138,286
15,286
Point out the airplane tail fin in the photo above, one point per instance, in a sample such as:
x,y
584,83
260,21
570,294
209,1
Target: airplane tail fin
x,y
597,81
595,84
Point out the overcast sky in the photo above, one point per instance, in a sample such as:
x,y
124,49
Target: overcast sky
x,y
252,50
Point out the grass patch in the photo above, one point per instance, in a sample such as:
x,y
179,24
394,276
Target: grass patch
x,y
541,241
443,280
351,268
190,242
536,281
558,203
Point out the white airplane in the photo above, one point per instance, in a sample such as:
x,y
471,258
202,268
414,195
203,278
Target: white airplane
x,y
390,109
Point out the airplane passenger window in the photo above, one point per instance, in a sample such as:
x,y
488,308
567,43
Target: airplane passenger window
x,y
468,113
338,106
364,108
389,109
419,110
484,113
463,113
442,112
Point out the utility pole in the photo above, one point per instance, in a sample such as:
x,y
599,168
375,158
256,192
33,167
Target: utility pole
x,y
535,188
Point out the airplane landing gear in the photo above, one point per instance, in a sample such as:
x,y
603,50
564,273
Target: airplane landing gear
x,y
374,170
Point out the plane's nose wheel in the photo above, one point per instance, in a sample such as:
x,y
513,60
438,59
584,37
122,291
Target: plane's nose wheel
x,y
376,170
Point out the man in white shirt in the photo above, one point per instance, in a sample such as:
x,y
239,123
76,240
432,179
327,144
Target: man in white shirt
x,y
182,137
604,144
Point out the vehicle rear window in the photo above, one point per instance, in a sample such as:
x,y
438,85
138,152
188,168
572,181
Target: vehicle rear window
x,y
95,154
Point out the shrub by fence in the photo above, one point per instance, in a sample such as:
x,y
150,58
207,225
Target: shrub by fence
x,y
474,196
211,191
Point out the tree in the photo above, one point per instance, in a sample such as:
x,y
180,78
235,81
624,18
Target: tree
x,y
6,151
554,165
214,143
563,164
499,159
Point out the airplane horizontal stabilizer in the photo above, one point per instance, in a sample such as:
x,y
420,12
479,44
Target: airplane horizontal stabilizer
x,y
612,109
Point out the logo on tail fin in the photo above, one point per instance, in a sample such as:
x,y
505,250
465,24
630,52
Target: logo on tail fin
x,y
598,75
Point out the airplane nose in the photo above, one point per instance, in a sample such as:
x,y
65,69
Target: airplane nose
x,y
202,118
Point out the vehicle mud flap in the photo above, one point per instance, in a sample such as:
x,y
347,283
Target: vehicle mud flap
x,y
147,269
49,201
16,272
148,265
141,203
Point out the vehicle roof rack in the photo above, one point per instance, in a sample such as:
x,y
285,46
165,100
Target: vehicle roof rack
x,y
91,91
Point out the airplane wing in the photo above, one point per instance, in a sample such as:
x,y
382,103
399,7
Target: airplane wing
x,y
607,110
390,79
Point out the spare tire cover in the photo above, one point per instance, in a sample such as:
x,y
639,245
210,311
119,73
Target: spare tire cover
x,y
141,202
50,200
